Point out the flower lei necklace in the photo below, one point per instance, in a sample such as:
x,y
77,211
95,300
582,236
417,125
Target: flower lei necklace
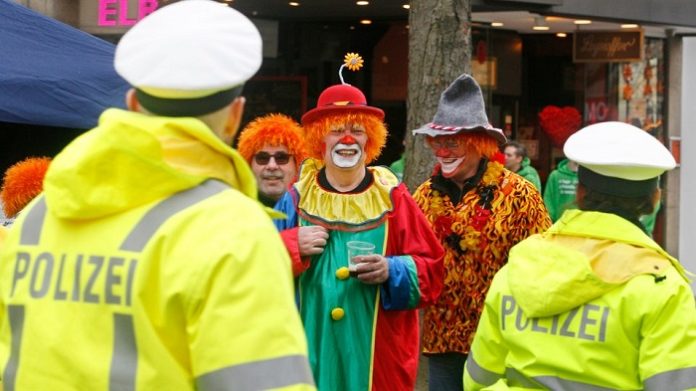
x,y
462,228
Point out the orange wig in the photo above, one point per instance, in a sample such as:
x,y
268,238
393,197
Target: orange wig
x,y
273,130
374,127
23,181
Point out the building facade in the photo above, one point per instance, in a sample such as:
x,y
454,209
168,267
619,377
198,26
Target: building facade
x,y
644,74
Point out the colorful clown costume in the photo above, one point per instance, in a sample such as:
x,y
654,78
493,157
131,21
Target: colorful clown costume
x,y
479,225
362,336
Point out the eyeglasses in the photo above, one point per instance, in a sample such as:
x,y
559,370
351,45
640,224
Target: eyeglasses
x,y
263,158
449,143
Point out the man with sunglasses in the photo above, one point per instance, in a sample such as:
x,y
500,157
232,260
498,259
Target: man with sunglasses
x,y
478,210
273,145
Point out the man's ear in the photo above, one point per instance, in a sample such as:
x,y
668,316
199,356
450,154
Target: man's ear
x,y
132,100
234,119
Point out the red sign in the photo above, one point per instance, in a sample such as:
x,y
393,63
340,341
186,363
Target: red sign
x,y
598,110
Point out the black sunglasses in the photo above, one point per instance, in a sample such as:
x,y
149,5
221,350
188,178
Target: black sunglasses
x,y
281,158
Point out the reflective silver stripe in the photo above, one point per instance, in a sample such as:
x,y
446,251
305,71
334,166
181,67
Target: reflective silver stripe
x,y
33,224
259,375
480,374
678,379
155,217
124,360
516,378
16,315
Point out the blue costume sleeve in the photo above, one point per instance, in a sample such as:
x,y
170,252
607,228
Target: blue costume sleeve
x,y
286,204
401,290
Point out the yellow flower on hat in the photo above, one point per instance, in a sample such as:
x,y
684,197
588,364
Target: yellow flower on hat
x,y
353,61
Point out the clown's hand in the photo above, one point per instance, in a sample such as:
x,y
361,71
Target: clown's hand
x,y
372,269
311,240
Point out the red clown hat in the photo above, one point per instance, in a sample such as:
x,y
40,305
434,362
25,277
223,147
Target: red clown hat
x,y
341,98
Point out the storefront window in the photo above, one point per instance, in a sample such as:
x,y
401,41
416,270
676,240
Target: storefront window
x,y
631,92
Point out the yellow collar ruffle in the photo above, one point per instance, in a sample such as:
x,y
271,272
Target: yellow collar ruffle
x,y
346,212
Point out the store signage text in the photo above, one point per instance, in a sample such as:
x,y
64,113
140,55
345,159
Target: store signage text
x,y
116,12
607,46
597,110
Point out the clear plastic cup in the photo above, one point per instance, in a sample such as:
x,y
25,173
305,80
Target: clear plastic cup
x,y
357,248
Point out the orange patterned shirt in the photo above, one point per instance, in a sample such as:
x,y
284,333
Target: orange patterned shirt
x,y
477,227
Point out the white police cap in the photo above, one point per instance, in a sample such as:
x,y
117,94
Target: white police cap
x,y
193,54
619,150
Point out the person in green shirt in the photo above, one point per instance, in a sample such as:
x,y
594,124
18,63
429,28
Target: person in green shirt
x,y
517,161
559,193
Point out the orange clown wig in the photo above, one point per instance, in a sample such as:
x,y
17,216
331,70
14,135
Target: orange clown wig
x,y
22,182
272,130
322,124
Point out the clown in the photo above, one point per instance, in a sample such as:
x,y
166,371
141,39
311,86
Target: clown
x,y
362,331
478,210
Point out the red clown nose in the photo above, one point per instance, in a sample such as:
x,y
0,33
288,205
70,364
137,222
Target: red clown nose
x,y
347,140
443,152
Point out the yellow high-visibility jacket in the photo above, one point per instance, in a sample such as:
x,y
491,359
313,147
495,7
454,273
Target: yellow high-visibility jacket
x,y
148,264
591,304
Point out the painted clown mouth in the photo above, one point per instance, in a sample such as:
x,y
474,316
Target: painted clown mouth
x,y
347,152
346,156
449,164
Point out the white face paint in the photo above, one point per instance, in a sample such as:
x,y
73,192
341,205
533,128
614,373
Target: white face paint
x,y
346,156
449,165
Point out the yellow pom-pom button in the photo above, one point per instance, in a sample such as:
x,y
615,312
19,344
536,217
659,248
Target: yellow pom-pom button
x,y
342,273
337,313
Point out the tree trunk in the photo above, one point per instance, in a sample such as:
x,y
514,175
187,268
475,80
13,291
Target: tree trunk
x,y
439,51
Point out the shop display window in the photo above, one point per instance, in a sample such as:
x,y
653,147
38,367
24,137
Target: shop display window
x,y
632,92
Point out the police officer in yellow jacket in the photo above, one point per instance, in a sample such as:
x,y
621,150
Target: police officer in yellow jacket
x,y
593,303
147,263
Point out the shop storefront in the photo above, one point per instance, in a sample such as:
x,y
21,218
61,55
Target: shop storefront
x,y
594,72
554,87
643,75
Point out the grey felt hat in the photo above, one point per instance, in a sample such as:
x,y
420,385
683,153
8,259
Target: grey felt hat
x,y
461,110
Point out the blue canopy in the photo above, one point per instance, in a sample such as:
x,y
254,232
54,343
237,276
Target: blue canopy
x,y
52,74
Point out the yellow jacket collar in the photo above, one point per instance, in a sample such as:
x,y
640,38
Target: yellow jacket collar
x,y
130,159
